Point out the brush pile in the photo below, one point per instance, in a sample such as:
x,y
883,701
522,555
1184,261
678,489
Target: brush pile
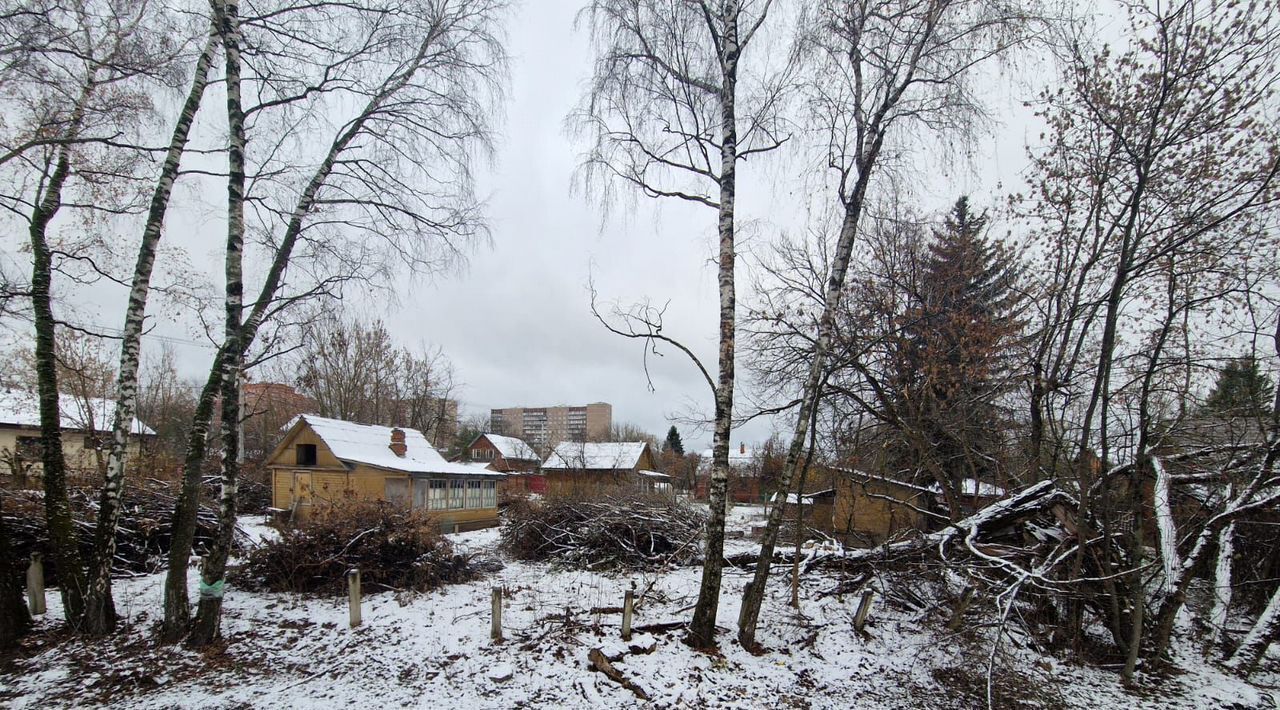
x,y
143,538
392,547
604,534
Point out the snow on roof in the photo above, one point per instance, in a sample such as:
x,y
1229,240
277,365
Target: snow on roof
x,y
370,444
22,408
793,499
739,455
594,456
973,487
863,477
512,448
653,474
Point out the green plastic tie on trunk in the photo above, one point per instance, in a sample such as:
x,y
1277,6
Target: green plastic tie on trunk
x,y
212,591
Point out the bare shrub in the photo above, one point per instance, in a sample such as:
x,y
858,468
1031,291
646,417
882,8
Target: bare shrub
x,y
393,548
604,534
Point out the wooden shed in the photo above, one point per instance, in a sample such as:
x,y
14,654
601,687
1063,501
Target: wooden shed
x,y
577,468
324,461
817,507
869,509
86,434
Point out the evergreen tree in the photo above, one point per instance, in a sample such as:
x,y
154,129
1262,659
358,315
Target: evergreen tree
x,y
673,442
956,351
1242,390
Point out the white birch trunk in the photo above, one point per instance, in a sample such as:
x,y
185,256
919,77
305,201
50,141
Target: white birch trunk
x,y
1258,639
702,627
100,615
1222,585
205,628
1165,526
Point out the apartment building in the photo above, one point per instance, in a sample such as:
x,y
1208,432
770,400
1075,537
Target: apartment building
x,y
544,427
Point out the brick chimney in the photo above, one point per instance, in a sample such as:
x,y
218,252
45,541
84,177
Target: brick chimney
x,y
742,448
397,442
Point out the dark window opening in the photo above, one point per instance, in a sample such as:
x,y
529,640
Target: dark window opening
x,y
306,454
30,447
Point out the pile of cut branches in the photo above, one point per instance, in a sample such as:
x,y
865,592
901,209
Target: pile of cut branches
x,y
604,534
392,547
143,539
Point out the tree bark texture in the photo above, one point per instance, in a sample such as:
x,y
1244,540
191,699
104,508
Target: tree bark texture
x,y
100,615
15,619
702,629
754,595
62,536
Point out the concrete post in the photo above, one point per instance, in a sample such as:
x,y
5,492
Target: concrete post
x,y
35,584
353,596
864,608
495,630
627,602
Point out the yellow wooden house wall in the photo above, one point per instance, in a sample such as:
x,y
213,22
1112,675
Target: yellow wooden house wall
x,y
332,483
79,458
869,512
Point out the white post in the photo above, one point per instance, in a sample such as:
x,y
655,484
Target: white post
x,y
35,584
495,630
627,602
864,608
353,595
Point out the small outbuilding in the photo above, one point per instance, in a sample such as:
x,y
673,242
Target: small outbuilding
x,y
815,507
595,468
323,461
869,509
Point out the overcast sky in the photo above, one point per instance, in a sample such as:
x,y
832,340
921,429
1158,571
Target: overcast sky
x,y
516,321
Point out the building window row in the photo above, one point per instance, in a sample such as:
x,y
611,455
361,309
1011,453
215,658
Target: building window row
x,y
461,495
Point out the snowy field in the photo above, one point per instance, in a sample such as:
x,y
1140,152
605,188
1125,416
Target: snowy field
x,y
434,650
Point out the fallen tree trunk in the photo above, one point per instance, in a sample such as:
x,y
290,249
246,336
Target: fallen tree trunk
x,y
995,517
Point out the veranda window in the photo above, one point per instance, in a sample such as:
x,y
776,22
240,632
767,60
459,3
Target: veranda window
x,y
436,495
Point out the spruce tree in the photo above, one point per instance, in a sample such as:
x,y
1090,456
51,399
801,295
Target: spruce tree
x,y
673,442
956,352
1242,390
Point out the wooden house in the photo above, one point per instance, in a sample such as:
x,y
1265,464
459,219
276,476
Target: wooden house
x,y
972,495
599,468
327,461
868,509
86,434
745,475
509,455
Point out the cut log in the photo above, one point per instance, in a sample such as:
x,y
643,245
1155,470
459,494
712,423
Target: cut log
x,y
602,664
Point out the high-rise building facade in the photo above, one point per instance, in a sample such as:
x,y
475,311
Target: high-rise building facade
x,y
544,427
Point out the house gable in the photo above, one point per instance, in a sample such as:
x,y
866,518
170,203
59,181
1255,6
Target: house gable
x,y
285,455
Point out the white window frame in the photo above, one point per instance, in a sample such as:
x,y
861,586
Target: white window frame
x,y
457,494
437,494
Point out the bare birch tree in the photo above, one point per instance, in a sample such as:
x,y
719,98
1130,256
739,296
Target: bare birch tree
x,y
77,82
100,612
393,180
671,110
877,70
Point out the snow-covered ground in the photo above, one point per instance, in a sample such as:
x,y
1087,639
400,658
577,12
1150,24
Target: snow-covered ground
x,y
434,650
